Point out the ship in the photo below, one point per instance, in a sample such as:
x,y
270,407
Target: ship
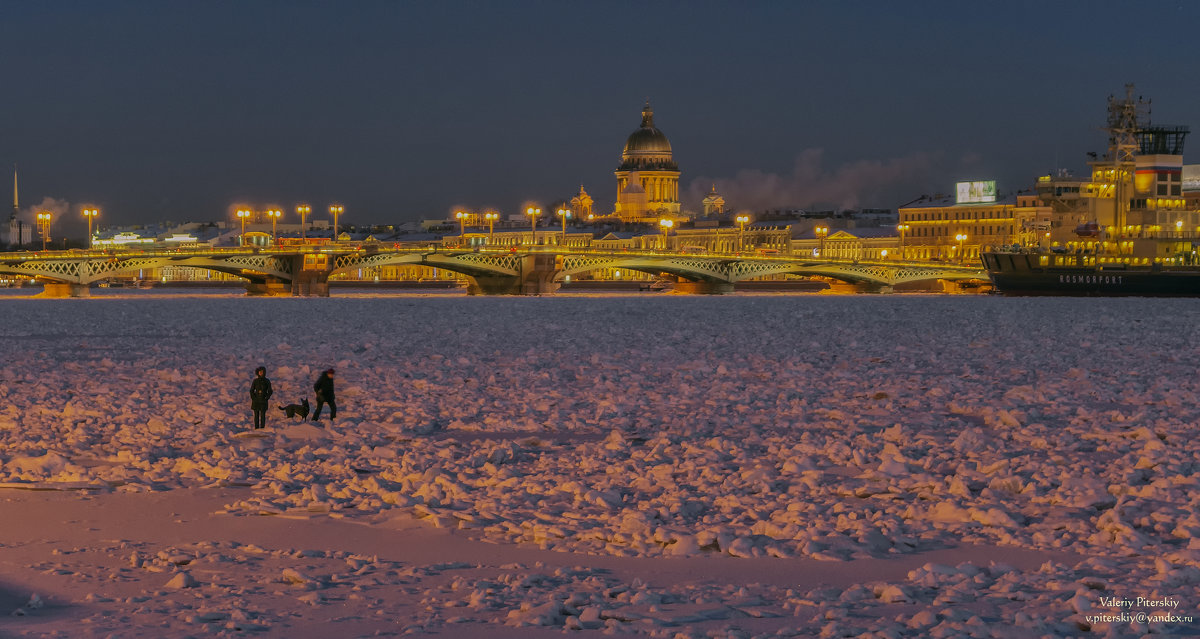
x,y
1018,271
1129,230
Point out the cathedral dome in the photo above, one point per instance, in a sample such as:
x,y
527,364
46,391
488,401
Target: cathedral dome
x,y
647,147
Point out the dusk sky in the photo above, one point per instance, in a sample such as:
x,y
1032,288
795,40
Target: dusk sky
x,y
400,110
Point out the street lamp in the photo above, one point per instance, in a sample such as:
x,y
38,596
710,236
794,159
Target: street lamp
x,y
43,222
243,215
742,220
303,210
274,214
462,225
533,212
961,237
822,232
491,217
902,228
336,210
665,225
89,214
564,214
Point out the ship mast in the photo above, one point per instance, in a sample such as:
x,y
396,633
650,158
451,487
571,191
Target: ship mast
x,y
1122,130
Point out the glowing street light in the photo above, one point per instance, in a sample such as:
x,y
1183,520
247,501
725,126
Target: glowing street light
x,y
742,221
274,214
961,237
665,225
902,228
533,212
303,210
564,214
336,210
243,215
43,222
89,214
462,224
491,217
822,232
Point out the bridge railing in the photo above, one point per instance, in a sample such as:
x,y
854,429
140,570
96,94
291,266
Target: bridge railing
x,y
358,247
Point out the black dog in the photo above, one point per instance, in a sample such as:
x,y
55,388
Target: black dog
x,y
301,409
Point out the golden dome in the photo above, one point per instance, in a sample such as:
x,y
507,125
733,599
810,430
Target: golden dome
x,y
647,147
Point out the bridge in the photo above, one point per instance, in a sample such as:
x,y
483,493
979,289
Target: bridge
x,y
536,270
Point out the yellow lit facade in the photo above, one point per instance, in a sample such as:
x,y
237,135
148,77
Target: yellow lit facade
x,y
933,227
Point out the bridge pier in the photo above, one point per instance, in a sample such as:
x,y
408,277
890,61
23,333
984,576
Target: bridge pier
x,y
65,289
703,287
537,278
270,287
872,287
854,288
310,284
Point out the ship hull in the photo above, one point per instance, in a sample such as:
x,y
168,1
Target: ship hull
x,y
1021,275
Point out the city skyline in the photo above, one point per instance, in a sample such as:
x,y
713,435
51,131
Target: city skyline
x,y
157,112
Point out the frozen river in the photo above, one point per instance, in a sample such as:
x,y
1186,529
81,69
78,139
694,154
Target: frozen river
x,y
780,429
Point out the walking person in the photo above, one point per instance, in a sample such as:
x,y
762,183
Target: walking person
x,y
325,395
260,395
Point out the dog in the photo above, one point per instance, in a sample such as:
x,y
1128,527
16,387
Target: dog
x,y
292,410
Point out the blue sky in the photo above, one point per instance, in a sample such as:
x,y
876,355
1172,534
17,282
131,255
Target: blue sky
x,y
180,110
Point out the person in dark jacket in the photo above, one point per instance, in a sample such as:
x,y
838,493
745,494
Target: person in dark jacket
x,y
260,395
324,388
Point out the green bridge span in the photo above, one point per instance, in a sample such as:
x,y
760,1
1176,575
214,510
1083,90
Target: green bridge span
x,y
539,271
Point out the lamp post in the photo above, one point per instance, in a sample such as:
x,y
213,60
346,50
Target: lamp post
x,y
89,214
822,232
462,225
303,210
961,237
243,215
564,214
491,217
902,228
742,220
533,212
336,210
274,214
43,222
665,225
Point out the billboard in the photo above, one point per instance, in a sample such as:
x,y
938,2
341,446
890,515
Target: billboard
x,y
1191,177
976,192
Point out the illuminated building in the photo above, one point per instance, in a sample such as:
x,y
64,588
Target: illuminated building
x,y
582,205
933,225
648,178
714,204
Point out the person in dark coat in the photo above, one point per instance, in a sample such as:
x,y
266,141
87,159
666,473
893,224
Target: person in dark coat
x,y
260,395
325,395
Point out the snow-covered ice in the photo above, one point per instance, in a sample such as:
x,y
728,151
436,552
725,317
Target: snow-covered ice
x,y
667,466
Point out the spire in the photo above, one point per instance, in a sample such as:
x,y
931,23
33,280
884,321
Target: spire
x,y
16,202
647,116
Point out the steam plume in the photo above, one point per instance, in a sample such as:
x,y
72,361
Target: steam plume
x,y
852,185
